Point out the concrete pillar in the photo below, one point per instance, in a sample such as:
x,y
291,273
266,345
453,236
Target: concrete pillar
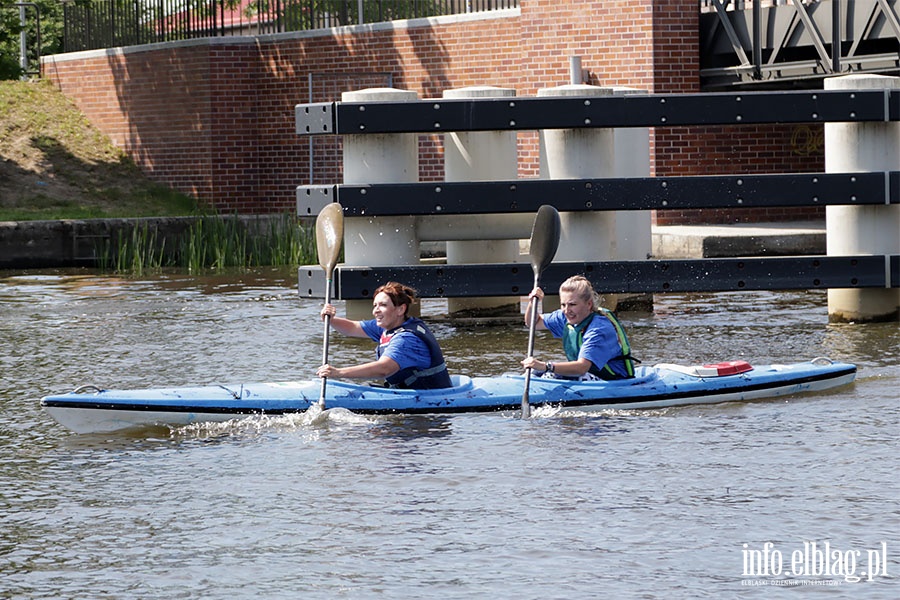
x,y
482,156
873,146
379,158
634,235
579,154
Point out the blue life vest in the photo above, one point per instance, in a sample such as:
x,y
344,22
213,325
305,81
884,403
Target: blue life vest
x,y
435,376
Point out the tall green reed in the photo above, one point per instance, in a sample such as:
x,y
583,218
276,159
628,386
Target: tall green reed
x,y
213,244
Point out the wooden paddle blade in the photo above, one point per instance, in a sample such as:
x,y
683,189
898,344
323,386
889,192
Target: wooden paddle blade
x,y
329,235
526,402
544,237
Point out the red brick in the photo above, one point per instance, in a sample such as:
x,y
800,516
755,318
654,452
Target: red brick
x,y
216,120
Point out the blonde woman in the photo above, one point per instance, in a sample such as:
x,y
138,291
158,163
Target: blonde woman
x,y
594,341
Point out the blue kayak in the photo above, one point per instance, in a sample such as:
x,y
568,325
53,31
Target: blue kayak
x,y
90,409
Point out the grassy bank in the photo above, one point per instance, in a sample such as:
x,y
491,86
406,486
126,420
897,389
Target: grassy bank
x,y
55,165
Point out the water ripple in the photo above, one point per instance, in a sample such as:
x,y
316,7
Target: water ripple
x,y
563,505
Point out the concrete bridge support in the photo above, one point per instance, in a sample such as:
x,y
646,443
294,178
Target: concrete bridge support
x,y
873,230
634,228
379,158
593,153
481,156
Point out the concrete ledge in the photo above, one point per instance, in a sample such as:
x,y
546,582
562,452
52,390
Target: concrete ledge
x,y
66,243
76,243
71,242
724,241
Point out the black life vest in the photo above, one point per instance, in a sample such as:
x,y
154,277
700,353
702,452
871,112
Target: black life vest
x,y
435,376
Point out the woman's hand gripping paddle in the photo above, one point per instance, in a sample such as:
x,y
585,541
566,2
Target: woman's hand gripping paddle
x,y
329,235
544,242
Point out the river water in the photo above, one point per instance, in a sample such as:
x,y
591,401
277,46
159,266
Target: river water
x,y
694,502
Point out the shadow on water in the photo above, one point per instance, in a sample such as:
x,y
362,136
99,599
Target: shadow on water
x,y
144,438
590,425
406,428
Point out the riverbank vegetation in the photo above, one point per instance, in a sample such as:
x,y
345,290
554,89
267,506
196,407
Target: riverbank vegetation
x,y
212,244
55,165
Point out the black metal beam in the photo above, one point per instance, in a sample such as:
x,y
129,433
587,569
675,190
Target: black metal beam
x,y
706,275
634,110
526,195
863,39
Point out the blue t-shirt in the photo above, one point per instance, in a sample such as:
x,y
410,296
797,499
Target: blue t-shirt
x,y
600,343
405,348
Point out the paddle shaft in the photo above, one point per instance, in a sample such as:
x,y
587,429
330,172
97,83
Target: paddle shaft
x,y
325,338
532,326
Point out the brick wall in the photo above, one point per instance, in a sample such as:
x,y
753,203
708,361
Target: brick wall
x,y
718,150
215,118
157,106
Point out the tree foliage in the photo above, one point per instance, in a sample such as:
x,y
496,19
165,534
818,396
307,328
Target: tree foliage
x,y
43,19
149,21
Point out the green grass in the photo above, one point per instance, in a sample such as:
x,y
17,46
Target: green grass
x,y
162,202
55,165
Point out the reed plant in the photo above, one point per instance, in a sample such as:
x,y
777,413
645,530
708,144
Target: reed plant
x,y
213,244
132,253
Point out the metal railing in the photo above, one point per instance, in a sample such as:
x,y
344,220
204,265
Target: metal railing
x,y
98,24
441,200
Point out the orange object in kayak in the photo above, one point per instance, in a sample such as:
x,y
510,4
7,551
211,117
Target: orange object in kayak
x,y
731,367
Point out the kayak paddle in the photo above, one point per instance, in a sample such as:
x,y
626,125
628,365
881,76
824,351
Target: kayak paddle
x,y
329,235
544,242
